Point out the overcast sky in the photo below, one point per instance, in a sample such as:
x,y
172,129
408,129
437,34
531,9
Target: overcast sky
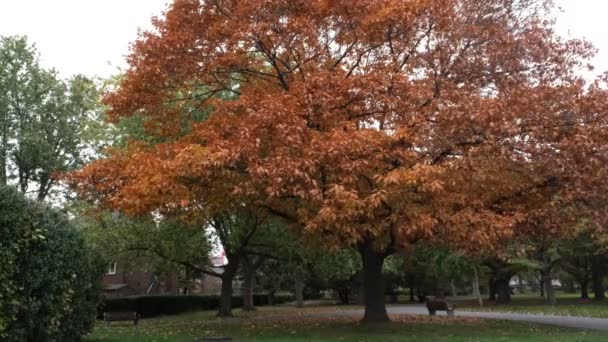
x,y
92,36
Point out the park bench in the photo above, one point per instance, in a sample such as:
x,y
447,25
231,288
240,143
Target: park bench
x,y
434,305
120,316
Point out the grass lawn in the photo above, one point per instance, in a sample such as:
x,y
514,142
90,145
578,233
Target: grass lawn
x,y
566,306
322,324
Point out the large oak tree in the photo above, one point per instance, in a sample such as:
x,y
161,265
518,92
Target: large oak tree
x,y
372,124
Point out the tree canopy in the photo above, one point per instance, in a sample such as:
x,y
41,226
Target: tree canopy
x,y
373,126
42,119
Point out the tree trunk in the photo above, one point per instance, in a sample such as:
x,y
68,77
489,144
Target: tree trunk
x,y
597,278
549,290
373,284
584,289
520,284
4,150
492,289
299,293
225,309
542,286
44,186
248,285
393,298
453,288
343,294
271,297
3,177
503,291
476,291
421,295
412,290
598,288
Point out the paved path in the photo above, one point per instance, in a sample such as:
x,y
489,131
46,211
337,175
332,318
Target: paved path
x,y
562,321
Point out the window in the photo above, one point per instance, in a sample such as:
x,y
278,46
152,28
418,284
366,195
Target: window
x,y
111,268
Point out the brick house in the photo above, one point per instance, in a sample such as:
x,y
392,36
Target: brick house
x,y
207,284
137,278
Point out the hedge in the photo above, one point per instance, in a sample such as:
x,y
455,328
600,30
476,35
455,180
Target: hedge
x,y
151,306
50,280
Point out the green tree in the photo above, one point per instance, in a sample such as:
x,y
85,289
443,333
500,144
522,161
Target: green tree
x,y
576,254
165,243
437,270
272,243
246,237
338,270
243,235
42,119
298,265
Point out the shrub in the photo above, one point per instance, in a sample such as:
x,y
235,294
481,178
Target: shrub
x,y
151,306
50,282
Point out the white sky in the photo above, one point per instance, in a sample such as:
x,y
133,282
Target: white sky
x,y
92,36
79,36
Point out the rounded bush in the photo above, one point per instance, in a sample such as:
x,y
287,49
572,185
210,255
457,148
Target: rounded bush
x,y
49,280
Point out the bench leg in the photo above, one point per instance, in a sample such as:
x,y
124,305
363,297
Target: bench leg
x,y
432,312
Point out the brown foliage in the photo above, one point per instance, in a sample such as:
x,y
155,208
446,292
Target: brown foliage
x,y
392,121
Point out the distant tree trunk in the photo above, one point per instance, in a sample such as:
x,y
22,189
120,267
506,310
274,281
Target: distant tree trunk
x,y
271,294
584,288
598,288
520,284
453,288
476,291
299,293
503,291
3,157
580,270
250,266
421,295
44,186
492,289
412,289
343,294
393,298
373,284
597,278
248,285
541,285
549,290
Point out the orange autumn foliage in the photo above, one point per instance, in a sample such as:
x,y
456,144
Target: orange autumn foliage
x,y
387,121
